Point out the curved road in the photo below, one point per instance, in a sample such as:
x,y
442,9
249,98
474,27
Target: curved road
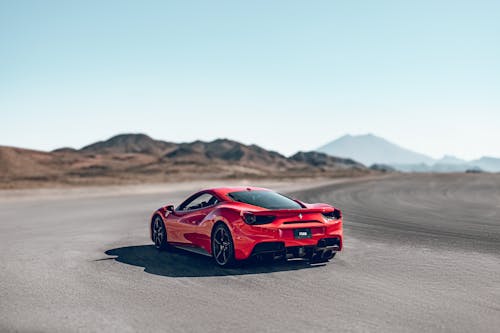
x,y
422,253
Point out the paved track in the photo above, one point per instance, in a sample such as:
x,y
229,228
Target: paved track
x,y
422,254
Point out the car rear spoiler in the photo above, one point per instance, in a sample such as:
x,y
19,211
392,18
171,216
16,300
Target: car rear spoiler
x,y
285,212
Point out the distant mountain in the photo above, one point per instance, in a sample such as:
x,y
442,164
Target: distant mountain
x,y
129,143
132,158
322,160
382,167
384,155
490,164
370,149
449,160
437,167
487,164
230,151
18,162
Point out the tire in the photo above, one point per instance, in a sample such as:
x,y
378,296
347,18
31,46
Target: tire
x,y
159,233
223,246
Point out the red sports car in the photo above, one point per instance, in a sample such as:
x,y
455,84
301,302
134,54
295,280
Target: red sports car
x,y
236,223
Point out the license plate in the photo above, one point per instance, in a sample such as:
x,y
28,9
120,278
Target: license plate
x,y
302,233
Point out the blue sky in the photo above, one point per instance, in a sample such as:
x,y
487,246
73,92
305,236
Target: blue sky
x,y
287,75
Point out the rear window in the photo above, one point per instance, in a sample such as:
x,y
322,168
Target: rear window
x,y
265,199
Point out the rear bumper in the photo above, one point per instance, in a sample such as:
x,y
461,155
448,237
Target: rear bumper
x,y
260,240
324,249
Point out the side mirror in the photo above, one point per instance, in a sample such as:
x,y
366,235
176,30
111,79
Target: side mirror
x,y
170,208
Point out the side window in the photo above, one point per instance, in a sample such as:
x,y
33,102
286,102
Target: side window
x,y
201,201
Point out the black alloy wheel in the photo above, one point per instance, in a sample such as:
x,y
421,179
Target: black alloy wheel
x,y
159,234
223,246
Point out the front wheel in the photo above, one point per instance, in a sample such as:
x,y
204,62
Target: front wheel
x,y
159,233
223,246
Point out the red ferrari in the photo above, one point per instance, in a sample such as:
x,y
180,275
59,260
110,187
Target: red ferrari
x,y
235,223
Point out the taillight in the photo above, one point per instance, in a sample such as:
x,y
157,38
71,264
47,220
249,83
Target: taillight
x,y
253,219
334,215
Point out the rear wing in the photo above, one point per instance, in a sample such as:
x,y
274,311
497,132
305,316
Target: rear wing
x,y
286,212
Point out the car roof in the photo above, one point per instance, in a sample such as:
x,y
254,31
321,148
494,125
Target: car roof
x,y
223,191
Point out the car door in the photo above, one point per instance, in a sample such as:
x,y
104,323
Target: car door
x,y
189,215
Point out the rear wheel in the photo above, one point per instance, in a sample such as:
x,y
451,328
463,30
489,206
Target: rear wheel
x,y
159,233
223,246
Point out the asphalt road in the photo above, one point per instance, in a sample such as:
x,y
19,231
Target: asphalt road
x,y
422,253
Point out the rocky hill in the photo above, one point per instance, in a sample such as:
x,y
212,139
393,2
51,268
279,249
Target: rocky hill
x,y
326,162
135,158
129,144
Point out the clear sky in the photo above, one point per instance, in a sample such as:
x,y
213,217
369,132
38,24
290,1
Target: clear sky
x,y
287,75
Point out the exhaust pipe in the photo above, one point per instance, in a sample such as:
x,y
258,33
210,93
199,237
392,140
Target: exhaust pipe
x,y
327,255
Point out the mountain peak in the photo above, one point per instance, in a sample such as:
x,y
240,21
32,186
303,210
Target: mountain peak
x,y
128,143
229,150
450,159
370,149
367,136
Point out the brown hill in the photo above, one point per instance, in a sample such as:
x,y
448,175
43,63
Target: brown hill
x,y
135,158
232,152
16,162
129,143
321,160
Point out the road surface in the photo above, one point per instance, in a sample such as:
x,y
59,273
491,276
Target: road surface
x,y
422,253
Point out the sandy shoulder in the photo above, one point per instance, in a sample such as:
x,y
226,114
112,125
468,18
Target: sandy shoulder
x,y
165,188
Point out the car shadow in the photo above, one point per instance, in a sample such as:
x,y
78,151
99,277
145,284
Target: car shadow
x,y
179,263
